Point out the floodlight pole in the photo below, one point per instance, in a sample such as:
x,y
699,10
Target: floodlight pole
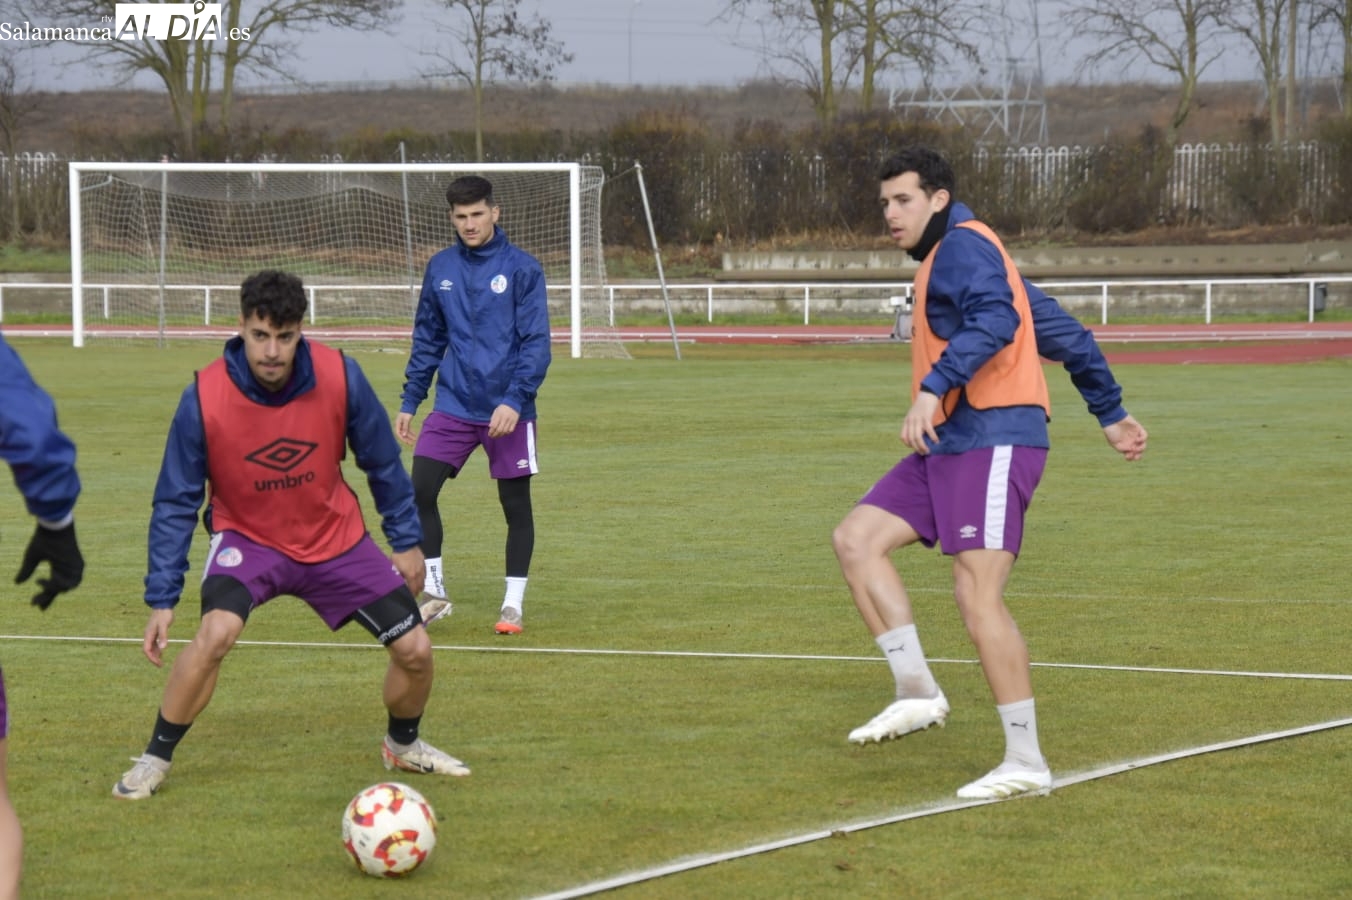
x,y
632,7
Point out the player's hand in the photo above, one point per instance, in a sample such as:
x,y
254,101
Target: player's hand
x,y
503,422
410,564
1127,437
58,547
919,423
157,635
403,428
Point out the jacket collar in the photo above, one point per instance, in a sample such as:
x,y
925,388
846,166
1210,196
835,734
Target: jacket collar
x,y
484,251
237,365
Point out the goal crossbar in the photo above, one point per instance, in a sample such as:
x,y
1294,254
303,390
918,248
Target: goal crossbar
x,y
140,230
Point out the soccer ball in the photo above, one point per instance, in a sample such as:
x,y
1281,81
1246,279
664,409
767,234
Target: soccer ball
x,y
389,829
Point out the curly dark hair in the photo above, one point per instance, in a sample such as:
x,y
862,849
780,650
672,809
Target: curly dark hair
x,y
277,297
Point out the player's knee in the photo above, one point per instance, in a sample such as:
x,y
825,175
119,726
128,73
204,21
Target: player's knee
x,y
428,476
412,652
848,542
226,603
514,494
217,634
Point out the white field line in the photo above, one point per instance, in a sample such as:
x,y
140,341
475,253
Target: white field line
x,y
931,809
686,865
699,654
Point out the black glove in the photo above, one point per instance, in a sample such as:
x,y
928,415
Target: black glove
x,y
58,547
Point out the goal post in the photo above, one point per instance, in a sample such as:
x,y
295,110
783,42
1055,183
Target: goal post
x,y
158,250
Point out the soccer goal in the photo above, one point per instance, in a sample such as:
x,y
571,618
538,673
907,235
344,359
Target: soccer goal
x,y
158,250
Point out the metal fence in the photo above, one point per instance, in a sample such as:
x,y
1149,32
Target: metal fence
x,y
1205,182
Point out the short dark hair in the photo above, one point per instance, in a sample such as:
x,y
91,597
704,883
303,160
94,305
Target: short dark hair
x,y
468,190
277,297
933,170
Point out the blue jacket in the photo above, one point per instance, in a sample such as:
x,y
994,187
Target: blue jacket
x,y
181,487
41,457
968,303
482,326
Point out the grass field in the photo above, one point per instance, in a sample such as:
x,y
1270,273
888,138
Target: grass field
x,y
692,661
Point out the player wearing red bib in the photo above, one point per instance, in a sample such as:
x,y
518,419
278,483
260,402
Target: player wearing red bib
x,y
260,438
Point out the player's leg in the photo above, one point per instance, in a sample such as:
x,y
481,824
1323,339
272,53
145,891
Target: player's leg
x,y
429,475
863,542
226,603
988,492
514,495
239,575
512,460
192,680
979,577
11,834
444,444
395,621
340,591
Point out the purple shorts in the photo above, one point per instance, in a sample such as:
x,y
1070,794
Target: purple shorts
x,y
450,440
335,589
963,501
4,710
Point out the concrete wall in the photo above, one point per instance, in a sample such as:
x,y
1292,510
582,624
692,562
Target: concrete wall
x,y
1128,263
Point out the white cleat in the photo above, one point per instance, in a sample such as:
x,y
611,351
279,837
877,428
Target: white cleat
x,y
421,757
434,608
903,717
142,779
1008,780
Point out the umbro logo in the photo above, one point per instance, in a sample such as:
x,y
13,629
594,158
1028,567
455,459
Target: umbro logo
x,y
523,464
967,532
445,284
283,454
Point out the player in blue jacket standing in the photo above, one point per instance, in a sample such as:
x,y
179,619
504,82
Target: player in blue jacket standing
x,y
42,459
482,328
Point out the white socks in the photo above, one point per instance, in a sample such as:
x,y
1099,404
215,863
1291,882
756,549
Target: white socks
x,y
1021,744
516,593
436,587
901,647
433,586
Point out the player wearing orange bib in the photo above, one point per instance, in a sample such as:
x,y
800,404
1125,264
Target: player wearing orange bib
x,y
977,426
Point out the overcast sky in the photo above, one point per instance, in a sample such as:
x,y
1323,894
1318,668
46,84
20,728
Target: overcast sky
x,y
647,42
669,42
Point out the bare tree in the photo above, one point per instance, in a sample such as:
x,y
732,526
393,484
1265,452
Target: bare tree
x,y
804,42
891,33
187,67
1260,23
1337,14
822,45
493,39
17,103
1166,34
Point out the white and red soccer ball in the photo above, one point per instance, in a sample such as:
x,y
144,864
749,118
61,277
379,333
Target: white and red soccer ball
x,y
389,829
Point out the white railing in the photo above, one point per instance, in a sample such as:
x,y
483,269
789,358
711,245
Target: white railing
x,y
808,302
857,298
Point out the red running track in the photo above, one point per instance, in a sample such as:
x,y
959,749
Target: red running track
x,y
1249,343
1275,342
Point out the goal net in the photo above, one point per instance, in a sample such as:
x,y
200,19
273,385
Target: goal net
x,y
158,250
